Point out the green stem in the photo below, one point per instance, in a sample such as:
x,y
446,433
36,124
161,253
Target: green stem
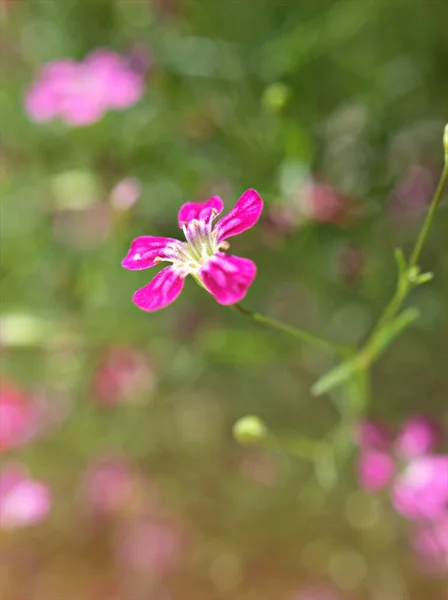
x,y
305,336
429,219
403,284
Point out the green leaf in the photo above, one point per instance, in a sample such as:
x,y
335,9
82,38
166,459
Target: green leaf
x,y
401,261
334,377
384,337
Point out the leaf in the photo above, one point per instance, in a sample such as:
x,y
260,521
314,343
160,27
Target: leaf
x,y
384,337
401,261
334,377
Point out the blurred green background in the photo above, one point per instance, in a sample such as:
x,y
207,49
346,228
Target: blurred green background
x,y
239,94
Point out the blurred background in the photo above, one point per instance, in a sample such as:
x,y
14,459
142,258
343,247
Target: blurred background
x,y
120,478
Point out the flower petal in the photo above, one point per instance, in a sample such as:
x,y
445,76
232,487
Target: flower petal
x,y
375,470
421,491
244,215
161,291
145,249
200,210
418,436
228,278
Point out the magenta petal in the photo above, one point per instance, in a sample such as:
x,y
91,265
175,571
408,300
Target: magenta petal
x,y
228,278
146,248
200,210
375,469
161,291
244,215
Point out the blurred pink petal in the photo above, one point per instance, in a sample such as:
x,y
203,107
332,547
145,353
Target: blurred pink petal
x,y
421,491
375,469
374,435
123,375
430,544
18,416
418,436
125,194
151,545
23,501
322,203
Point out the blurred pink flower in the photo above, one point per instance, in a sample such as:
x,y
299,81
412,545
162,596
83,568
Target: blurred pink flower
x,y
226,278
18,416
375,470
112,487
420,491
79,93
108,486
418,479
124,375
125,193
413,193
430,544
23,501
152,545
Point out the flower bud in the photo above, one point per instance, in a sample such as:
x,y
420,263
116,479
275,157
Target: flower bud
x,y
275,97
250,430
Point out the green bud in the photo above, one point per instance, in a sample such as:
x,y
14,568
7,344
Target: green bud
x,y
424,277
413,274
275,96
250,430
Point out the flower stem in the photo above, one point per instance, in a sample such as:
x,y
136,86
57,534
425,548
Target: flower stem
x,y
305,336
429,219
404,285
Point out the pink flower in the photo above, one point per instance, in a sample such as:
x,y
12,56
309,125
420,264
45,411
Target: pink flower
x,y
80,92
23,501
226,277
125,194
430,544
18,416
123,375
112,487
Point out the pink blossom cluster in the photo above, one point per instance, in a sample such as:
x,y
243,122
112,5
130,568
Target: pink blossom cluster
x,y
417,480
79,93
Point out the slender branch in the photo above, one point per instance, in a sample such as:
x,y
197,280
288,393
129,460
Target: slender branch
x,y
305,336
429,219
403,284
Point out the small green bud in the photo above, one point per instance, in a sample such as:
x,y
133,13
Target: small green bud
x,y
424,277
275,96
413,274
445,143
250,430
